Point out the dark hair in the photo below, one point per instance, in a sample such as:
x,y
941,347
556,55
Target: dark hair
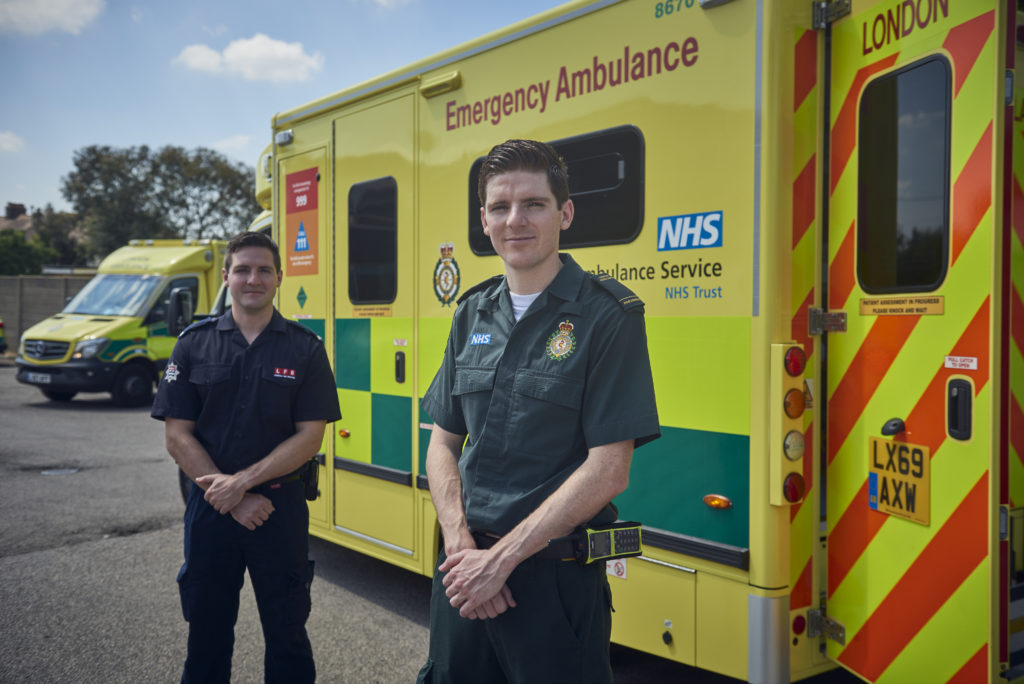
x,y
525,155
252,240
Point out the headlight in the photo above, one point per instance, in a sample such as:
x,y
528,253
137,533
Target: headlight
x,y
87,349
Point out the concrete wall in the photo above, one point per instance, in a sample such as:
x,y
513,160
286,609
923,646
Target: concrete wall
x,y
26,300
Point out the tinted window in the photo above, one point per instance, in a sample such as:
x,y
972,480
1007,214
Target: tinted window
x,y
372,247
158,314
606,185
903,196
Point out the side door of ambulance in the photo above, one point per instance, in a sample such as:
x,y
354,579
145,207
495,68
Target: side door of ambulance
x,y
304,239
374,331
916,220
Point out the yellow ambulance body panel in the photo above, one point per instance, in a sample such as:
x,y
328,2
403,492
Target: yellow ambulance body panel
x,y
815,204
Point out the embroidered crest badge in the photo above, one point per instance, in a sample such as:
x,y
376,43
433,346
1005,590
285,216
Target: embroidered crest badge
x,y
171,372
562,342
446,275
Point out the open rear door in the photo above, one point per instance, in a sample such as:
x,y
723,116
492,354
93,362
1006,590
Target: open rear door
x,y
917,384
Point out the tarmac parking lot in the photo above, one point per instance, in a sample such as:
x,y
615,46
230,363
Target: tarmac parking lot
x,y
90,544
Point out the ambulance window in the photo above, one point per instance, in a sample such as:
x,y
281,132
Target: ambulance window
x,y
158,314
606,185
903,179
372,246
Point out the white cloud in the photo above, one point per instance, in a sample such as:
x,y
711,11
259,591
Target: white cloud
x,y
9,142
201,58
136,15
40,16
234,144
260,58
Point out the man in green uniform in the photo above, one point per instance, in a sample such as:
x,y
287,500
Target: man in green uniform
x,y
544,392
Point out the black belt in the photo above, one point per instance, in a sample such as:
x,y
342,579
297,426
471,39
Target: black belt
x,y
278,481
557,549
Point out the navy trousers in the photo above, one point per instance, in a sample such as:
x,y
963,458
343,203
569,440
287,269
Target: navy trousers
x,y
217,552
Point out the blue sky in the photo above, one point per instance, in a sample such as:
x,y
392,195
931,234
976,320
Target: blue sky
x,y
194,73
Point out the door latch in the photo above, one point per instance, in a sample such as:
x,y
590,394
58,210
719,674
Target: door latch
x,y
819,624
820,321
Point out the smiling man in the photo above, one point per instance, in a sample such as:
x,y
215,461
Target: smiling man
x,y
544,392
246,398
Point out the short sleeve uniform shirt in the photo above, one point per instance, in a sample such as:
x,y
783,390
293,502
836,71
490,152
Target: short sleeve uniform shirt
x,y
245,399
533,396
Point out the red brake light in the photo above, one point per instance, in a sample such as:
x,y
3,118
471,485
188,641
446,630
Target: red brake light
x,y
793,487
796,361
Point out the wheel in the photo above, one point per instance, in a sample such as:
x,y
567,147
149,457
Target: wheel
x,y
53,395
185,484
133,386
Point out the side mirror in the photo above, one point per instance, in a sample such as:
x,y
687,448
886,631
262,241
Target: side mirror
x,y
179,310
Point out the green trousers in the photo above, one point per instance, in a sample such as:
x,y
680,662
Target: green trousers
x,y
559,630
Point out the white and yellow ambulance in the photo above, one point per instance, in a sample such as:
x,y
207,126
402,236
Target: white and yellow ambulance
x,y
821,206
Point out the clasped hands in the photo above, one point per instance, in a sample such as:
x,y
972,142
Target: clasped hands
x,y
475,585
226,494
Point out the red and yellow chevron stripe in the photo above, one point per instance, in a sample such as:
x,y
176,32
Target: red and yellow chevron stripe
x,y
803,516
914,599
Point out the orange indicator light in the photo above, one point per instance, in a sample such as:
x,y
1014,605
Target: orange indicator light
x,y
795,403
718,501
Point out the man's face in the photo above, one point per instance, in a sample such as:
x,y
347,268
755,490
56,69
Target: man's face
x,y
523,220
252,279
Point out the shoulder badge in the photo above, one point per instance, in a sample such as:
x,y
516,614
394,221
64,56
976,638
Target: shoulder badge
x,y
446,275
481,286
622,294
562,342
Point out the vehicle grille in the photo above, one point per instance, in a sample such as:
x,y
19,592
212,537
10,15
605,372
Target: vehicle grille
x,y
45,350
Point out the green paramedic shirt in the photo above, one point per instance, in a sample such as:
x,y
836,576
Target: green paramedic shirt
x,y
534,395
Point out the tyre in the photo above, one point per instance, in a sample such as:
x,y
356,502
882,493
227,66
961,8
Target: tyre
x,y
184,484
53,395
133,386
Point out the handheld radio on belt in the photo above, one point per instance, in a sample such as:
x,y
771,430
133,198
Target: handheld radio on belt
x,y
603,542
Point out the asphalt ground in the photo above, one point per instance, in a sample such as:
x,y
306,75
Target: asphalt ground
x,y
90,544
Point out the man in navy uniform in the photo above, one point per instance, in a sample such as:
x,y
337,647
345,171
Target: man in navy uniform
x,y
544,392
246,398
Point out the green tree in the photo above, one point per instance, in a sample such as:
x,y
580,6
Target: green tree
x,y
203,194
111,190
19,256
59,230
127,193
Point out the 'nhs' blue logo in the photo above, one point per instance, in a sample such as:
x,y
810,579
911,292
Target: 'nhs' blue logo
x,y
690,231
480,338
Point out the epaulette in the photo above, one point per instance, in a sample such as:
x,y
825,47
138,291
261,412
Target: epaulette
x,y
622,294
303,328
195,325
480,286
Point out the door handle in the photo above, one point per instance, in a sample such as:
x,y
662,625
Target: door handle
x,y
399,366
893,426
958,409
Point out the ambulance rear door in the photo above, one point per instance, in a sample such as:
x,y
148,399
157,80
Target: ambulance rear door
x,y
915,452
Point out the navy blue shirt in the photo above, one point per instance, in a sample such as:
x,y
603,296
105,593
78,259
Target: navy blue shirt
x,y
245,399
534,396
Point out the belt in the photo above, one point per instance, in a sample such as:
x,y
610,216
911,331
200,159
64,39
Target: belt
x,y
278,481
557,549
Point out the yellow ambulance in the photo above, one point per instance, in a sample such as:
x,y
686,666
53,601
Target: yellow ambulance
x,y
821,206
112,336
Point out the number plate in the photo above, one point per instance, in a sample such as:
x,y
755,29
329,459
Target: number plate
x,y
899,479
40,378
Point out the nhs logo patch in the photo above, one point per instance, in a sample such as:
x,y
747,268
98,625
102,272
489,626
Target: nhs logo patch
x,y
480,338
691,231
